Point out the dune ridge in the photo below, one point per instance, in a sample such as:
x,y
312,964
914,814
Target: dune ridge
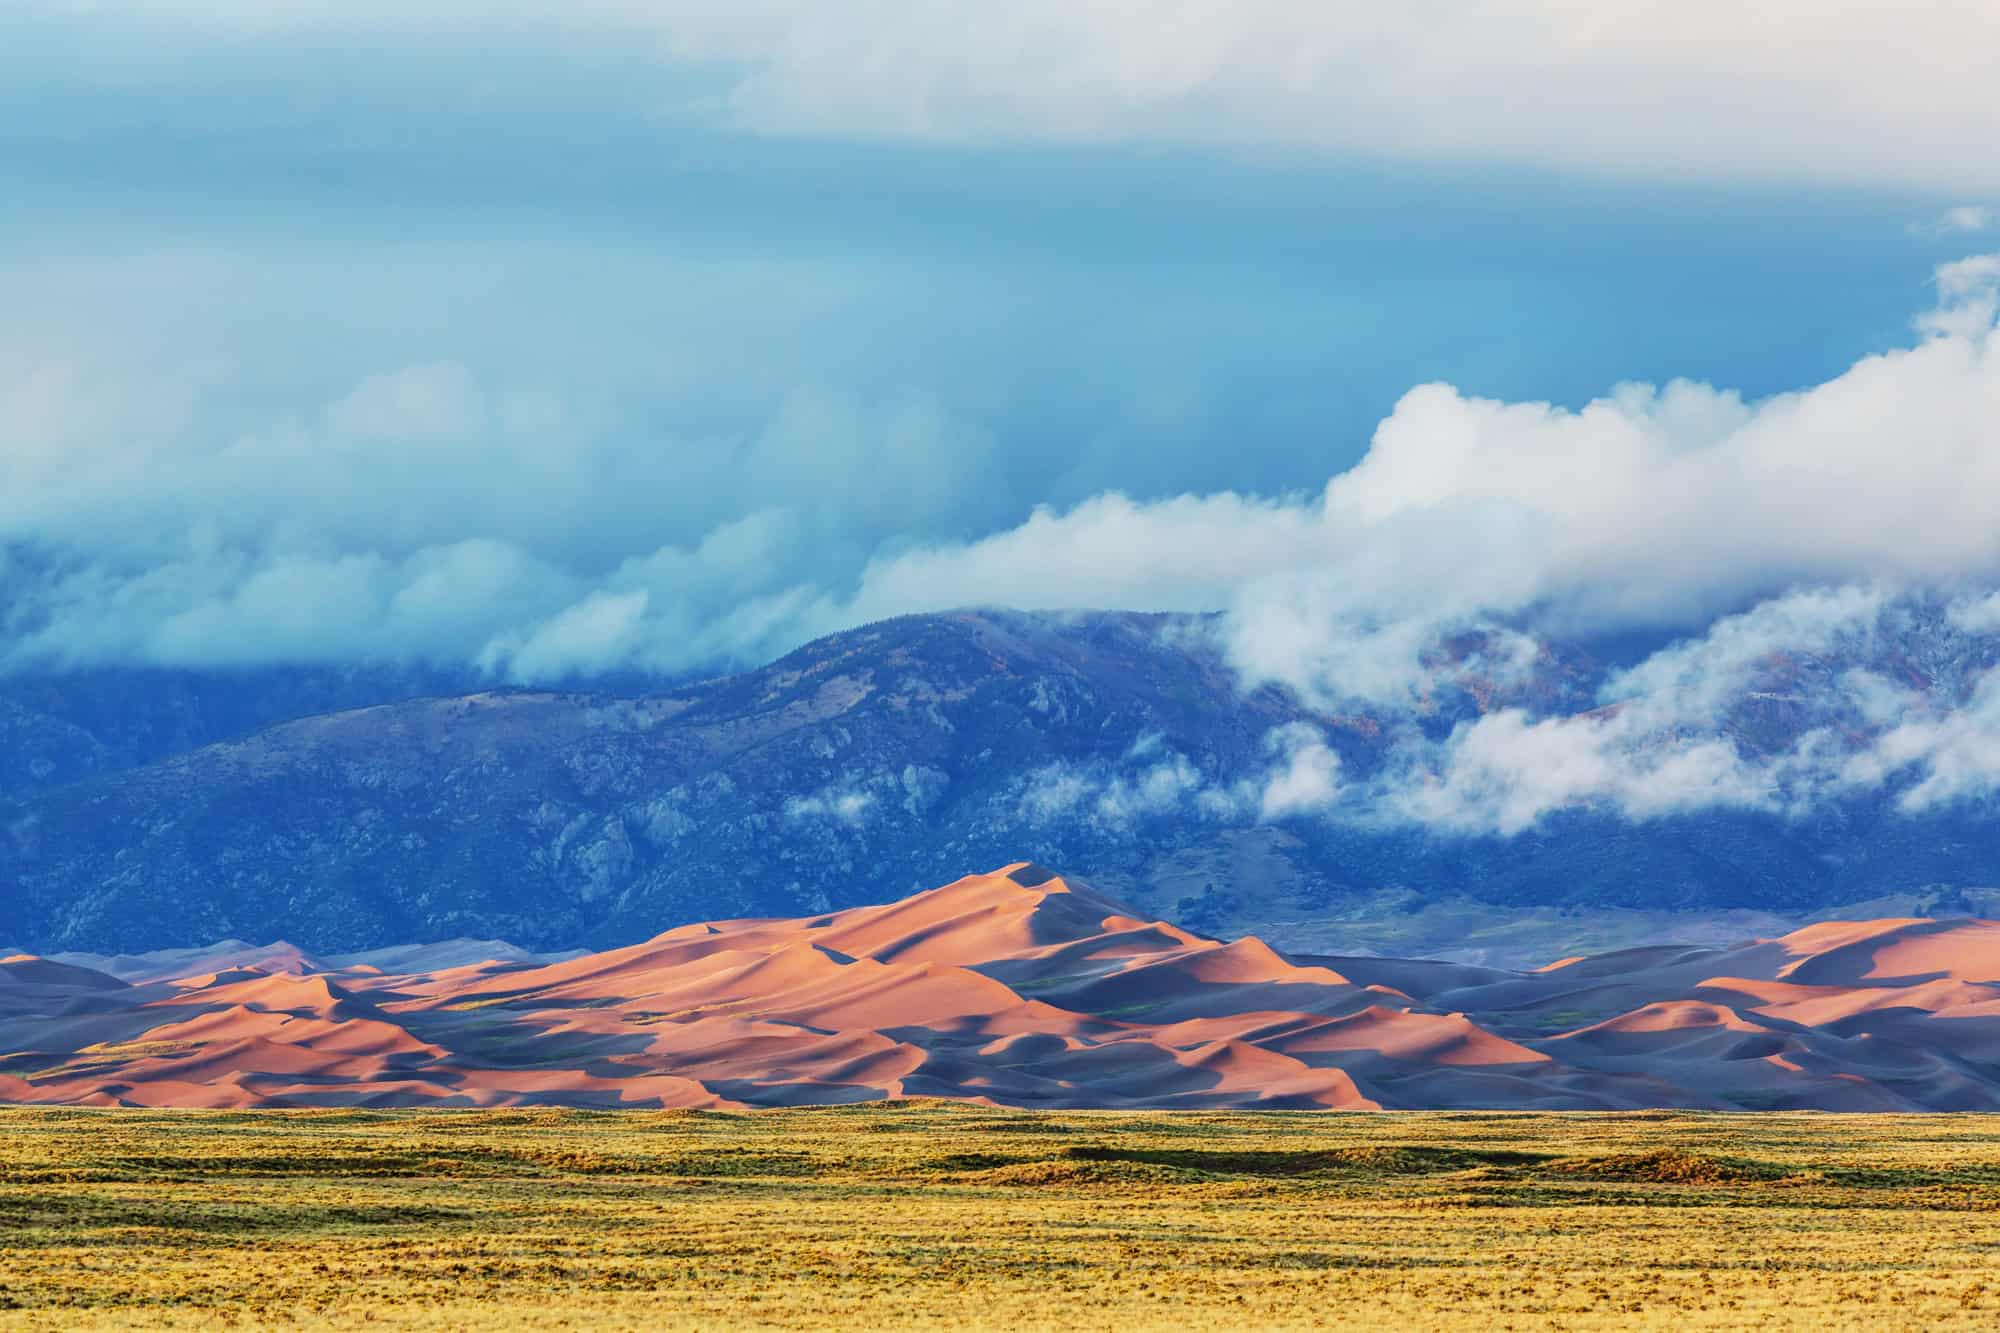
x,y
1018,987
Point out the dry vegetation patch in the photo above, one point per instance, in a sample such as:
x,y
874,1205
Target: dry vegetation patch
x,y
941,1214
1668,1166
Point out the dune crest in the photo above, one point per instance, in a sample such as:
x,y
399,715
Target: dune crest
x,y
1020,987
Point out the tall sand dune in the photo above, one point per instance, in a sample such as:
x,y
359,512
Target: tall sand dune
x,y
1018,987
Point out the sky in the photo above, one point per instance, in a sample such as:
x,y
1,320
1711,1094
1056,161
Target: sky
x,y
616,336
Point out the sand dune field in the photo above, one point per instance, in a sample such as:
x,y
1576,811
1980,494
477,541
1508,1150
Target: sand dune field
x,y
1016,988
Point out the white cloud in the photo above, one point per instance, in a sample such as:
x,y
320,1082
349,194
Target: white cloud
x,y
1951,756
1975,614
599,629
410,407
1660,745
1706,88
1961,219
1691,682
1157,790
1503,773
1648,506
1702,88
293,608
1667,744
1184,554
1968,298
1877,700
1307,777
1054,790
842,805
1301,778
1111,795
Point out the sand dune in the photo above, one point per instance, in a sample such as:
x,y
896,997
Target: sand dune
x,y
1017,987
26,970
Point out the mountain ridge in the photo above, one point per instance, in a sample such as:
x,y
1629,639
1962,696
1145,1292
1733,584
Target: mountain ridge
x,y
894,754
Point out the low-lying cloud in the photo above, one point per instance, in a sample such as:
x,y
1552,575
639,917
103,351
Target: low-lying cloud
x,y
1660,507
1689,728
1300,777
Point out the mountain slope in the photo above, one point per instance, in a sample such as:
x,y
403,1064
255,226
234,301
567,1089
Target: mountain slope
x,y
895,755
888,755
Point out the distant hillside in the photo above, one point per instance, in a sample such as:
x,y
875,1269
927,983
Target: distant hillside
x,y
58,728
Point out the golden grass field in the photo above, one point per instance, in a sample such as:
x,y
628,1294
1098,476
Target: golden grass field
x,y
952,1215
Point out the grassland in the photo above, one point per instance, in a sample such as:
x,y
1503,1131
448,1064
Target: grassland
x,y
938,1215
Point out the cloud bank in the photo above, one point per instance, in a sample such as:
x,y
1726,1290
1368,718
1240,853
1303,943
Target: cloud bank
x,y
1648,507
1660,507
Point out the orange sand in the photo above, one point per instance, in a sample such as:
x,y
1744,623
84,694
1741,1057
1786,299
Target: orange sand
x,y
1023,988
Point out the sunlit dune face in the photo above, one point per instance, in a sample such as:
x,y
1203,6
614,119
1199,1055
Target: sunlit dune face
x,y
1967,952
1021,987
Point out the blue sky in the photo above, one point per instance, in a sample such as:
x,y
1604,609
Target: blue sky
x,y
626,335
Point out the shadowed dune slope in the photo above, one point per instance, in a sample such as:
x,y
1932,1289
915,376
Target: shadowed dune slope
x,y
1023,988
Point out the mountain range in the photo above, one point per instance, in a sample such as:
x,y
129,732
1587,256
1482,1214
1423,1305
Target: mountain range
x,y
357,808
1021,988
